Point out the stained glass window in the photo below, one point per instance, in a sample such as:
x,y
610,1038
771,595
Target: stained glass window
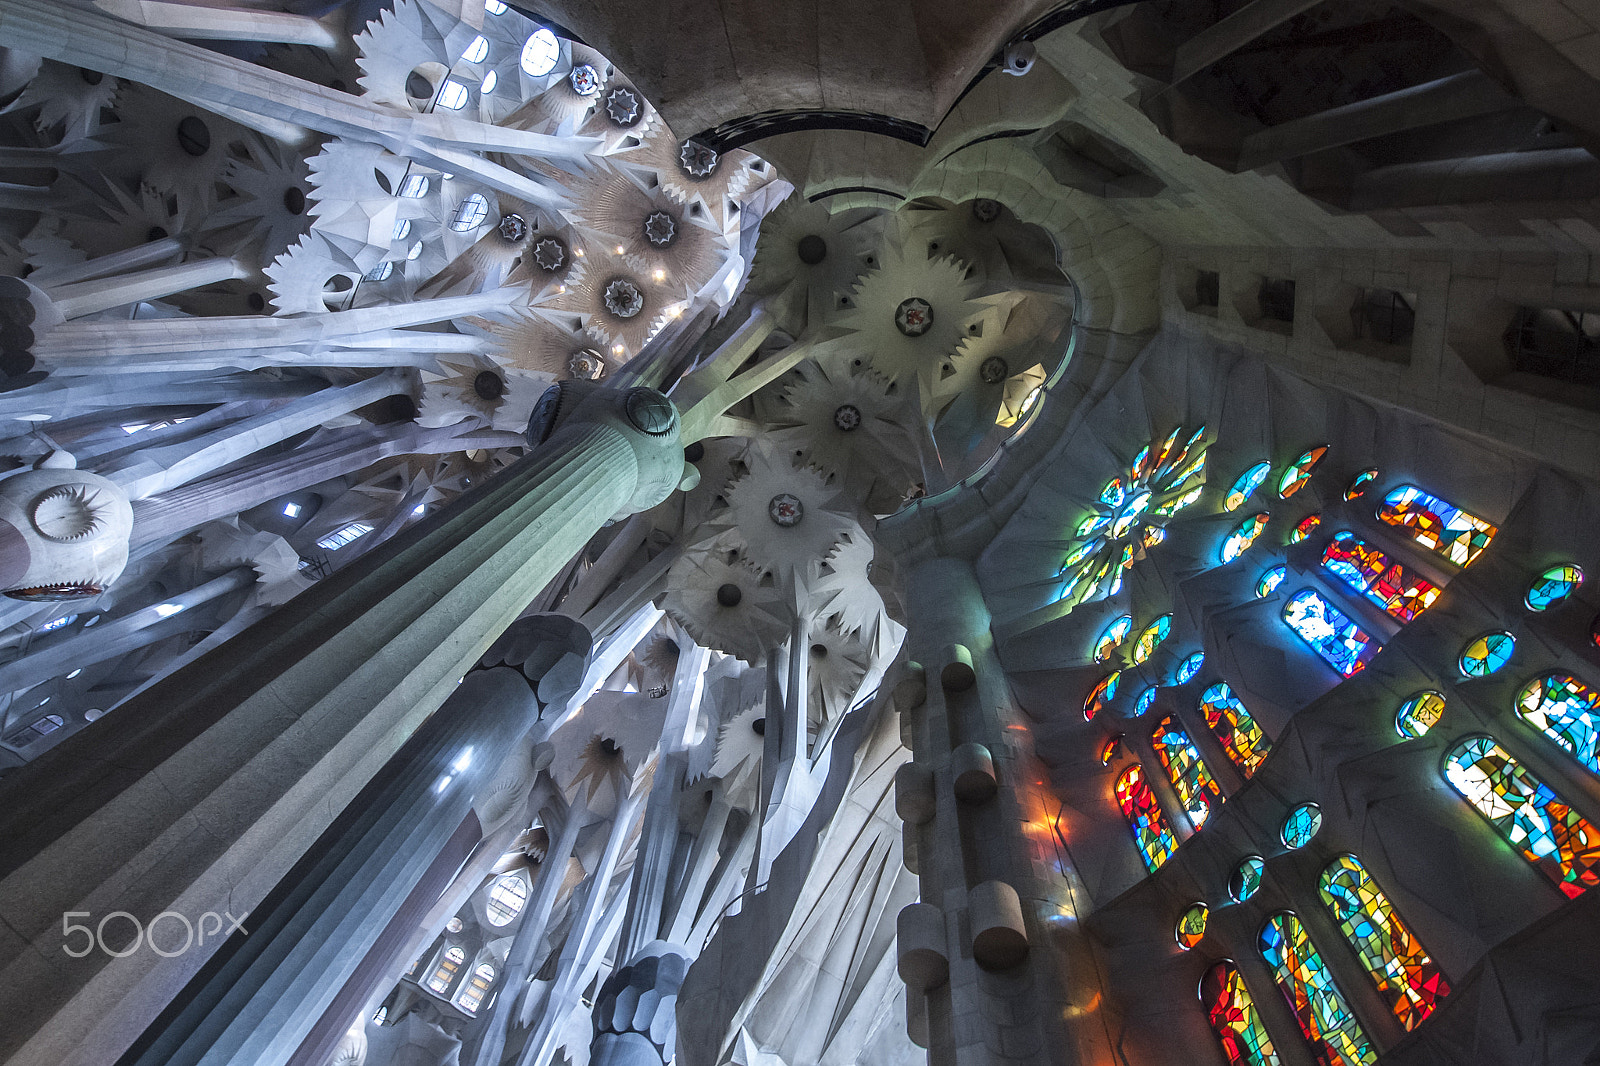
x,y
1270,580
1234,1017
470,998
1150,831
1553,587
1568,712
1299,472
1102,694
1111,636
1300,825
1335,1036
1241,737
1163,479
1245,881
1192,925
1407,978
1240,539
445,972
1594,631
1358,484
1370,572
1437,525
1419,714
1147,700
1111,749
1197,790
1342,643
1151,637
1304,528
1246,486
1188,668
1487,654
1537,822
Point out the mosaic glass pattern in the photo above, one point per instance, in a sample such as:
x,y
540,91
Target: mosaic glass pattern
x,y
1402,594
1246,486
1555,586
1240,539
1336,1038
1234,1018
1197,790
1358,484
1111,636
1188,668
1527,812
1102,694
1487,654
1407,977
1241,737
1304,528
1344,645
1192,925
1594,631
1146,700
1568,712
1163,479
1437,525
1419,714
1111,749
1150,831
1245,881
1299,472
1150,638
1270,580
1300,825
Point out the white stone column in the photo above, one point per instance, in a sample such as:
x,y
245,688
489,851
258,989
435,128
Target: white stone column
x,y
118,290
244,758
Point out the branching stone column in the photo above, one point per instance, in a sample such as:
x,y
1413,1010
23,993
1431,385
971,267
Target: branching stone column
x,y
309,937
222,775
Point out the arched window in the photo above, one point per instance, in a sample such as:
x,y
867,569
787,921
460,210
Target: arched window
x,y
1234,1017
445,972
1332,1031
1103,693
1150,830
1150,638
470,213
1111,636
1299,472
506,897
453,96
1246,486
1332,635
1438,525
1241,737
470,998
478,50
1374,575
1407,978
1524,810
1568,712
1195,786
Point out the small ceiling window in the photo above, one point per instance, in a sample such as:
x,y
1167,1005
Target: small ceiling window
x,y
415,187
380,272
494,7
540,53
470,213
416,250
489,82
453,97
402,229
478,50
340,537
